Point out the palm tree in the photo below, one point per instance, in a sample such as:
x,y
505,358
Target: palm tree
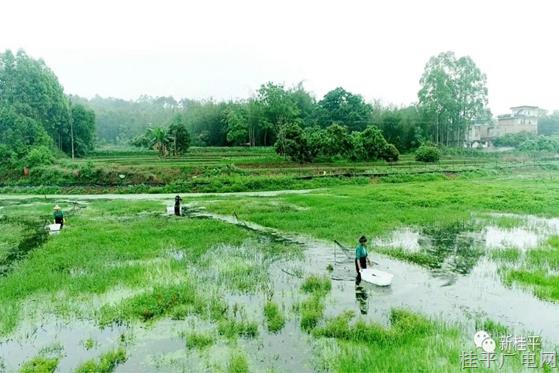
x,y
159,140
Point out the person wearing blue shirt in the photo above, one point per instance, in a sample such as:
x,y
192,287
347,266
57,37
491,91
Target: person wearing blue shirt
x,y
361,257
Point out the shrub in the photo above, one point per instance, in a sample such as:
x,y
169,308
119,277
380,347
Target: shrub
x,y
291,142
427,153
39,156
513,139
391,153
540,143
374,143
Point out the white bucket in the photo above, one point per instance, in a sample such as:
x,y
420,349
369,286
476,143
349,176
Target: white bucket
x,y
54,228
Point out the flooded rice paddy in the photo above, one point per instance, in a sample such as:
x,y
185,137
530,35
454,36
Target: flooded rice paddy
x,y
456,280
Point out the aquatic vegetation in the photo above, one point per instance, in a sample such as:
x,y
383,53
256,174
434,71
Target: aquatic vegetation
x,y
238,363
105,363
162,301
505,255
275,320
197,340
39,364
243,268
319,285
124,262
232,328
311,310
92,257
538,271
89,343
495,329
544,285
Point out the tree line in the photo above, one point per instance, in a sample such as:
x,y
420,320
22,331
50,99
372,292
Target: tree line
x,y
37,119
453,96
36,115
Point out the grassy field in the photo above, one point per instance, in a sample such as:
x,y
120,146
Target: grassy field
x,y
129,170
202,294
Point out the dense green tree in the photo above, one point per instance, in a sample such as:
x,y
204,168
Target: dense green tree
x,y
337,141
374,143
344,108
452,97
19,134
277,107
36,115
400,126
118,121
83,127
179,136
292,143
305,145
31,88
549,124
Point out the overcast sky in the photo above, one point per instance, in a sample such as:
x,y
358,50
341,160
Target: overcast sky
x,y
226,49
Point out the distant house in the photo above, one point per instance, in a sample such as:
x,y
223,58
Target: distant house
x,y
521,119
480,135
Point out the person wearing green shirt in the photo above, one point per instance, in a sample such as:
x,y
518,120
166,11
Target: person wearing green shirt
x,y
361,257
58,216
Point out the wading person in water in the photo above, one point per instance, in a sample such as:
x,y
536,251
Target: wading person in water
x,y
178,201
58,216
361,257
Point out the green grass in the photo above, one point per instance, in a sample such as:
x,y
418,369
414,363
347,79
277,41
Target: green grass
x,y
275,320
410,343
196,340
346,212
235,169
544,286
493,328
534,272
39,365
106,362
175,300
129,246
231,328
238,363
311,310
319,285
505,255
89,343
108,245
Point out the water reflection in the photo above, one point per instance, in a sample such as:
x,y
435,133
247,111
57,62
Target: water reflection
x,y
362,297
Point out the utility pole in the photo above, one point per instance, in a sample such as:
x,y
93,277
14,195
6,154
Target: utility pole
x,y
71,129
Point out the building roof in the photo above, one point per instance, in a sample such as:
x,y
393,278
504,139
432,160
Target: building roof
x,y
524,107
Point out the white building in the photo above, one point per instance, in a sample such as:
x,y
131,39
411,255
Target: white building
x,y
521,119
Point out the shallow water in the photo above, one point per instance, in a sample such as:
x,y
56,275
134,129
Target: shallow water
x,y
451,297
441,294
30,339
